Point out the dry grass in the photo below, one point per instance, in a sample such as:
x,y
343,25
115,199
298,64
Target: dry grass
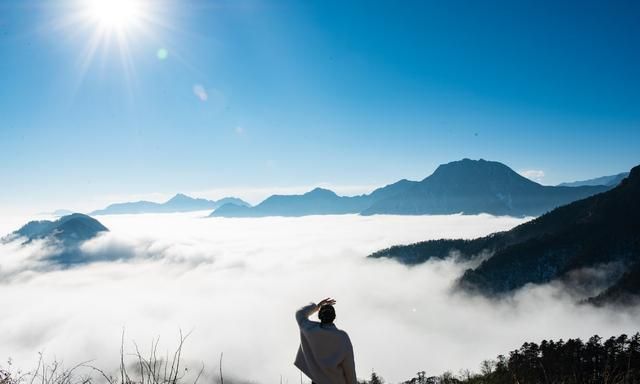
x,y
137,368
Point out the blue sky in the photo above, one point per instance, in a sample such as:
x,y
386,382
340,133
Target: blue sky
x,y
256,95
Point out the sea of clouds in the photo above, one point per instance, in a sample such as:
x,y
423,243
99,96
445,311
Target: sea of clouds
x,y
236,283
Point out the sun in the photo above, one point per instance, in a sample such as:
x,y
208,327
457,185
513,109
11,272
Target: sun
x,y
109,37
115,14
113,24
116,32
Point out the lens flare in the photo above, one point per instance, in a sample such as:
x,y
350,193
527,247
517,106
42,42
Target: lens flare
x,y
162,54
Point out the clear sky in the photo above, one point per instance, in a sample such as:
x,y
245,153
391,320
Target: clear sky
x,y
239,96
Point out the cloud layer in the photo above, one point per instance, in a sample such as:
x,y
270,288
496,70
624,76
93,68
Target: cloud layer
x,y
237,282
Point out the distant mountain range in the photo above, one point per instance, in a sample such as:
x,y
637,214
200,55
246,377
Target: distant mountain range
x,y
467,186
610,181
178,203
602,231
66,234
316,202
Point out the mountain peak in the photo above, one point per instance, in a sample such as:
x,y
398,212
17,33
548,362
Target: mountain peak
x,y
73,227
478,171
321,192
180,197
478,186
67,233
467,163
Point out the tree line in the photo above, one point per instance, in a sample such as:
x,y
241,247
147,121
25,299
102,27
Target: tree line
x,y
612,361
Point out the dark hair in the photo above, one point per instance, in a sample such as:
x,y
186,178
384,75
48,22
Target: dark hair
x,y
327,314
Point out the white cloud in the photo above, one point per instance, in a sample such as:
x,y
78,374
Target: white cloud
x,y
237,282
533,174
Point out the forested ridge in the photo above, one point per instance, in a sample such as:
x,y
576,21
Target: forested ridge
x,y
615,360
603,229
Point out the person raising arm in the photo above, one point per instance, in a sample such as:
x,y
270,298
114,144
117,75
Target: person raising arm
x,y
325,353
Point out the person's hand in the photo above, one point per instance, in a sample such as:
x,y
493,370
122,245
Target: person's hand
x,y
327,301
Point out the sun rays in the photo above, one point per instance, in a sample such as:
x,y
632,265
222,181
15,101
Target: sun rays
x,y
112,31
115,14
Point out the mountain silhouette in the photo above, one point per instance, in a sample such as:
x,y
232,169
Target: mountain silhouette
x,y
178,203
68,229
65,234
467,186
478,186
318,201
610,181
601,230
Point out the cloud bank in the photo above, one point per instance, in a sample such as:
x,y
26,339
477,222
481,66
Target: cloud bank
x,y
235,283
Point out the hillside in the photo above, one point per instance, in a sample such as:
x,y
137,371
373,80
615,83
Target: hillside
x,y
601,230
66,234
478,186
615,360
72,228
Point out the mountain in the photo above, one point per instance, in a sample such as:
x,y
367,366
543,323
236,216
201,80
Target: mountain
x,y
132,207
316,202
319,201
68,229
178,203
184,203
478,186
66,234
467,186
391,190
602,230
610,181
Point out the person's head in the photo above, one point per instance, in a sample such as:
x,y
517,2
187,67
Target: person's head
x,y
327,314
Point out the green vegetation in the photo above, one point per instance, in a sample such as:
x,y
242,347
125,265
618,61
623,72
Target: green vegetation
x,y
597,361
613,361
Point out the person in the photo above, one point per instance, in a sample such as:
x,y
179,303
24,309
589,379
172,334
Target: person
x,y
325,354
